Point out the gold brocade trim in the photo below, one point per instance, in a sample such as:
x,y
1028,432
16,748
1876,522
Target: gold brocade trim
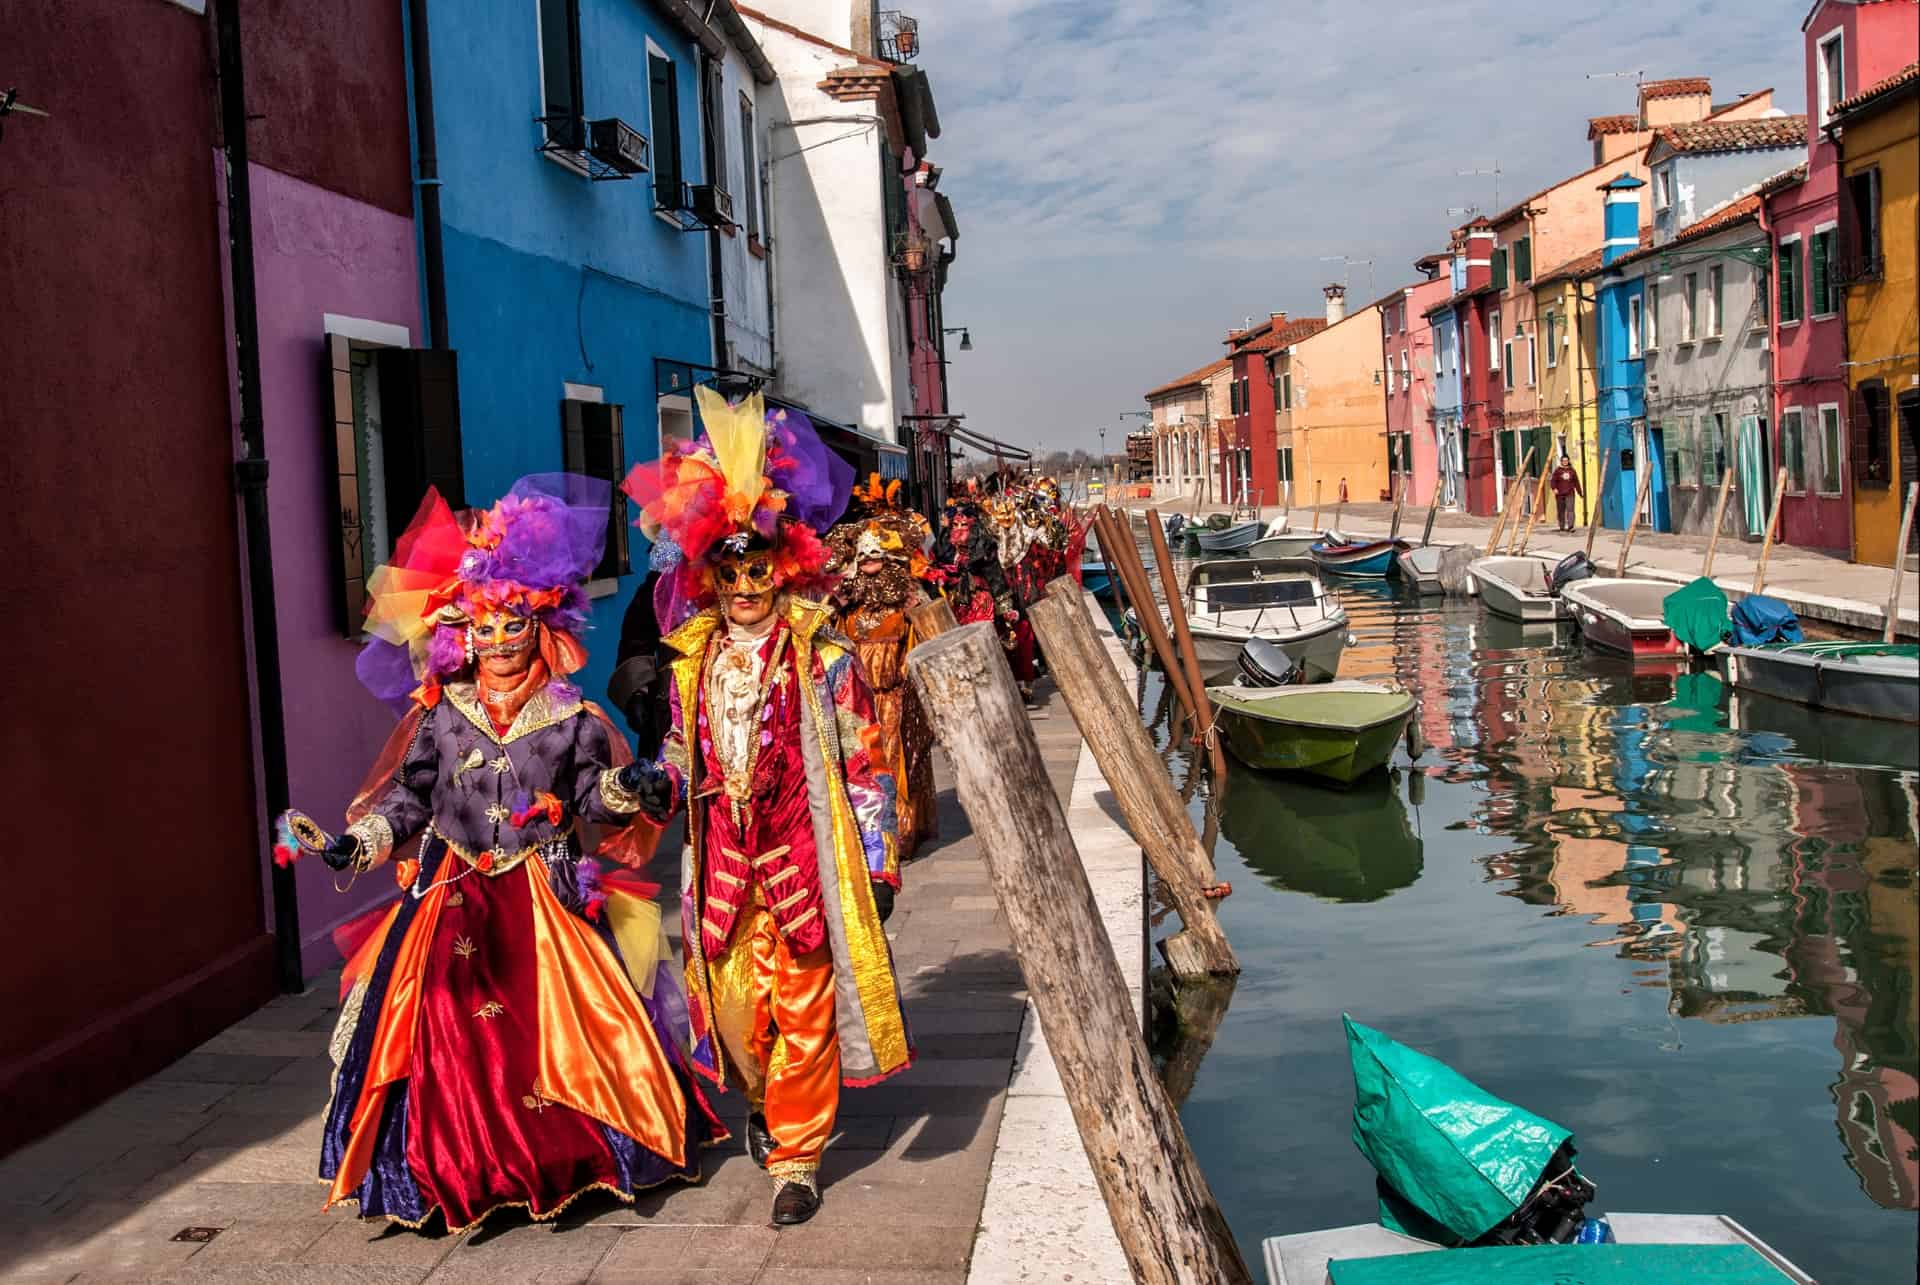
x,y
502,862
540,712
375,833
729,878
772,854
490,1010
789,900
805,1173
625,1197
784,872
618,797
801,921
464,947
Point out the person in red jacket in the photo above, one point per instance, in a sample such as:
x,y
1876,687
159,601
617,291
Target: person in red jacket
x,y
1566,484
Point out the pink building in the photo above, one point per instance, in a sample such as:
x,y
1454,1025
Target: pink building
x,y
1406,344
1849,44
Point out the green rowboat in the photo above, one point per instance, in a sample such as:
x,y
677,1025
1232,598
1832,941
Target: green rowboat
x,y
1338,731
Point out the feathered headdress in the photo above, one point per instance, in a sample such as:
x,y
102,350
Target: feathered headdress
x,y
530,554
751,475
883,527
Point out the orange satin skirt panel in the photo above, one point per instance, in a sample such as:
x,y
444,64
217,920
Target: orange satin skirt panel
x,y
773,1012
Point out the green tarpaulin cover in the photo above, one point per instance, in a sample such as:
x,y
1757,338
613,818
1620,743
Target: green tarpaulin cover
x,y
1697,613
1563,1265
1459,1155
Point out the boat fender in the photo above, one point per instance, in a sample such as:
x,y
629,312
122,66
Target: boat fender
x,y
1416,738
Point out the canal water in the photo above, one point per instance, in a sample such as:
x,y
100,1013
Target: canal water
x,y
1680,922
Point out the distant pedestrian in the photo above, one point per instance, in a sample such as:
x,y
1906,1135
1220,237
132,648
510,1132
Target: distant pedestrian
x,y
1566,485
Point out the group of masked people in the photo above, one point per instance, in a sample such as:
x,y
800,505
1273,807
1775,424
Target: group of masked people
x,y
517,1030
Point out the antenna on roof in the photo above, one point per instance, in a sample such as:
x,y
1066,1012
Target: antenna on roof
x,y
1495,171
1463,209
1348,265
1638,76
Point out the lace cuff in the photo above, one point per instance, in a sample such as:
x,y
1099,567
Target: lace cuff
x,y
376,839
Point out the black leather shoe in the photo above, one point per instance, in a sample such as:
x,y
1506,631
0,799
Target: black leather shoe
x,y
760,1143
794,1203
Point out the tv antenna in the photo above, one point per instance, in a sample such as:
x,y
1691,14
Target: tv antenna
x,y
1495,172
1347,268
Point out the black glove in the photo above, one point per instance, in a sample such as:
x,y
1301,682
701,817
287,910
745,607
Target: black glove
x,y
649,782
344,852
883,900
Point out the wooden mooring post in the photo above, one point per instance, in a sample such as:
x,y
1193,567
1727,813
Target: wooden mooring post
x,y
1719,512
1183,638
932,618
1164,1214
1146,610
1773,524
1593,509
1899,563
1633,521
1109,722
1524,538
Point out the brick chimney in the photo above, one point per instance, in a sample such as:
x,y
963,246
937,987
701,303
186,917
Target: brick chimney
x,y
1479,254
1336,303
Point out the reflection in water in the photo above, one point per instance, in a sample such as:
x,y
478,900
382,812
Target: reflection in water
x,y
1751,865
1356,844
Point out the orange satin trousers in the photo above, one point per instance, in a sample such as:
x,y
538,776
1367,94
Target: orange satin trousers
x,y
773,1011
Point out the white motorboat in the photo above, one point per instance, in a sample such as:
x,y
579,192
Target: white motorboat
x,y
1624,616
1517,589
1236,599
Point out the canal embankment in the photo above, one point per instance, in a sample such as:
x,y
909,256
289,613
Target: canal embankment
x,y
1849,596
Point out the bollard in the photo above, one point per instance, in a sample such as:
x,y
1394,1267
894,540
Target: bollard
x,y
931,619
1166,1218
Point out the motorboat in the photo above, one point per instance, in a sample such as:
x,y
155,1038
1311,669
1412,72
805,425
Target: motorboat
x,y
1874,680
1233,600
1419,566
1338,731
1237,538
1284,544
1517,588
1624,616
1369,558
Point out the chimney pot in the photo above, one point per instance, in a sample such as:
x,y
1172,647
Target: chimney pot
x,y
1336,302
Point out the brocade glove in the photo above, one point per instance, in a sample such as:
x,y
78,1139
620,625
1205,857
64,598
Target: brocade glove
x,y
344,852
648,782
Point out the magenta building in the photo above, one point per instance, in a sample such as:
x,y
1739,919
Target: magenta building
x,y
1406,345
1849,44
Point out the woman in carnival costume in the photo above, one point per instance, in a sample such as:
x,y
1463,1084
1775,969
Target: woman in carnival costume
x,y
790,866
510,1032
882,559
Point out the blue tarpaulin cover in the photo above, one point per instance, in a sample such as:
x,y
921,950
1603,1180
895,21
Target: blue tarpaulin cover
x,y
1758,619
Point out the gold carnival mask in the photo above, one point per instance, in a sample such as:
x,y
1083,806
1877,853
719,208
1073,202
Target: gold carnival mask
x,y
746,573
502,633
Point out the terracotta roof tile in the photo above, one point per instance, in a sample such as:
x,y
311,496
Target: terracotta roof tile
x,y
1192,379
1734,135
1628,123
1785,178
1747,207
1910,74
1287,332
1582,266
1677,88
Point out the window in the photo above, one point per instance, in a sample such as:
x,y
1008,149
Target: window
x,y
1500,268
1793,449
396,421
1635,323
1523,259
1830,457
593,444
1406,371
561,109
1663,188
1860,217
714,125
1683,461
1390,380
1831,73
1286,389
750,163
1713,449
1493,340
1653,315
1716,300
1788,259
1872,435
663,104
1551,322
1533,360
1825,300
1506,371
1690,307
1233,397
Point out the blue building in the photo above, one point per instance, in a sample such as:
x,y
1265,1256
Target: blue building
x,y
1448,427
1627,444
567,136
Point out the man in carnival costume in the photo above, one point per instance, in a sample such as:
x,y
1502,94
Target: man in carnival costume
x,y
790,867
882,560
1007,518
511,1033
966,563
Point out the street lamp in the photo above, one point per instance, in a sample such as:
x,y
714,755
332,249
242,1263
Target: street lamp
x,y
966,339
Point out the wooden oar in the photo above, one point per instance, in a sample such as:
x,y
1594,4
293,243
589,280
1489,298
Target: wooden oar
x,y
1719,511
1773,523
1900,563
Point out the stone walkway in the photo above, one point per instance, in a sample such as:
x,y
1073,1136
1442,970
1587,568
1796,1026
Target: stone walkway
x,y
226,1140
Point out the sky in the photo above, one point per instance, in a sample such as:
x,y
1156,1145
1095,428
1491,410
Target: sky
x,y
1132,178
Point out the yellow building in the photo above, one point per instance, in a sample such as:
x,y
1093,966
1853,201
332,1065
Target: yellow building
x,y
1878,242
1339,415
1566,331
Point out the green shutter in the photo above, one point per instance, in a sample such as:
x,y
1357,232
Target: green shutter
x,y
663,92
1790,281
1822,271
1500,269
1523,259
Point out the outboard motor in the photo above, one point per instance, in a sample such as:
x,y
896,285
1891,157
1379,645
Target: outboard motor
x,y
1264,665
1575,566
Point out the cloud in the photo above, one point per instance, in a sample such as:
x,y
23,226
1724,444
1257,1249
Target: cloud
x,y
1134,177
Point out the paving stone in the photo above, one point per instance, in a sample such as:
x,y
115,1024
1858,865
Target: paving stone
x,y
223,1068
249,1041
260,1241
248,1129
378,1243
301,1274
817,1245
532,1252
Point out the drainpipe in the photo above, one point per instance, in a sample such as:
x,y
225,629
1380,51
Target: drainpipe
x,y
1765,284
250,479
427,177
770,263
716,268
